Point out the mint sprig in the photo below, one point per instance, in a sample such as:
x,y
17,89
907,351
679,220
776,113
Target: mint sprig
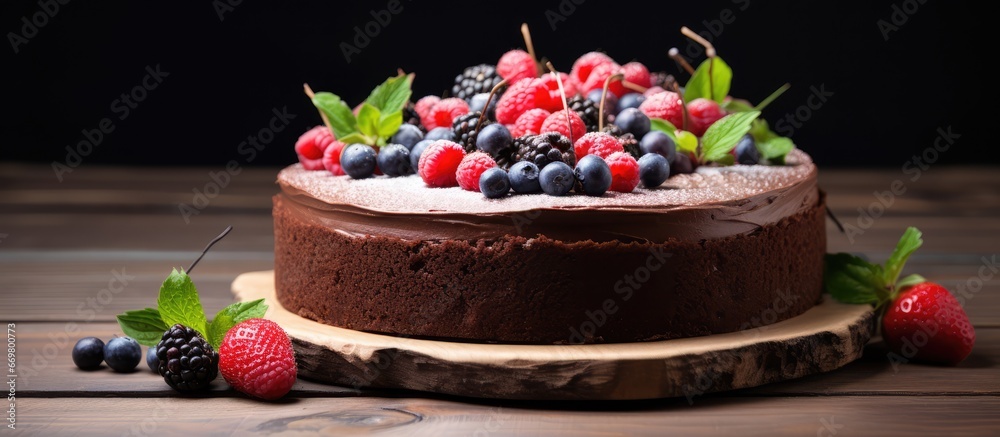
x,y
711,80
146,326
178,302
379,117
723,135
771,146
851,279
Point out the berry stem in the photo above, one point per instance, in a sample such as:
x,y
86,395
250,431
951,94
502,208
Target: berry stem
x,y
210,244
675,54
486,108
604,96
634,86
562,94
709,51
326,121
777,93
526,34
686,119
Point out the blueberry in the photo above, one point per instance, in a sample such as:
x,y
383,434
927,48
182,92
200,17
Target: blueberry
x,y
394,160
524,177
151,359
556,178
358,161
88,353
416,151
494,183
633,121
610,103
440,133
407,135
653,170
746,151
594,175
479,101
630,100
122,354
681,165
494,138
659,143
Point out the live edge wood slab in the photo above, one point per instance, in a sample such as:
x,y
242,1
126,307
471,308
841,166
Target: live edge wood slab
x,y
822,339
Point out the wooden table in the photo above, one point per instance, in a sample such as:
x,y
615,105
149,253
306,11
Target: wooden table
x,y
61,243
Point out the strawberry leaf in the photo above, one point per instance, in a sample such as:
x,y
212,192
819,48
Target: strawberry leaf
x,y
145,326
910,281
178,303
341,118
711,80
232,315
850,279
908,243
722,136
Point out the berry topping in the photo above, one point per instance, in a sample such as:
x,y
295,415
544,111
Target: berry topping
x,y
407,135
624,172
423,108
516,65
659,143
464,128
569,87
746,151
495,139
638,74
666,105
331,158
630,100
653,170
544,148
358,161
557,179
394,160
416,151
524,177
439,162
633,121
529,123
187,361
702,113
525,94
682,164
410,116
257,359
600,74
597,143
478,104
122,354
472,166
475,80
88,353
653,90
443,113
587,110
567,123
610,103
311,145
593,174
585,64
494,183
440,133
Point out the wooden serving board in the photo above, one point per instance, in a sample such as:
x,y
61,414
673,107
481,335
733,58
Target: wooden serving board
x,y
822,339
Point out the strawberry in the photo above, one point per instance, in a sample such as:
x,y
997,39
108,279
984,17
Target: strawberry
x,y
256,358
922,320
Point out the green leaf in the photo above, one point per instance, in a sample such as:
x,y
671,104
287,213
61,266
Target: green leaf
x,y
722,136
850,279
737,105
341,118
145,326
388,124
711,80
909,243
355,138
777,93
232,315
910,281
686,141
775,149
368,118
392,95
659,124
178,303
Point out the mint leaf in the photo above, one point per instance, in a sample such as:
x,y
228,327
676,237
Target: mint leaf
x,y
355,138
230,316
659,124
388,124
392,95
908,244
737,105
722,136
711,80
368,118
850,279
145,326
341,118
775,149
687,141
178,303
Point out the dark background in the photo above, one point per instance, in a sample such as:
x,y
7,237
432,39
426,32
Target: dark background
x,y
226,75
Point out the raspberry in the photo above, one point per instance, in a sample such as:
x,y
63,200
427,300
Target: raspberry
x,y
439,162
523,95
443,113
423,108
257,359
557,122
600,74
624,172
311,145
656,89
666,105
702,113
555,98
597,143
471,168
529,123
516,65
187,361
331,158
638,74
586,64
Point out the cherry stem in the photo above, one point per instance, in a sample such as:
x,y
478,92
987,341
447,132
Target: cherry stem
x,y
210,244
604,96
562,94
311,94
709,48
486,108
777,93
526,34
634,86
684,111
675,54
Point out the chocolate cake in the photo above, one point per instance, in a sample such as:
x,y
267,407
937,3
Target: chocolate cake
x,y
719,250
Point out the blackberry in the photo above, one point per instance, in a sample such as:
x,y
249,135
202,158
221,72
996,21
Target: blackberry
x,y
628,141
543,149
410,116
464,128
187,361
663,80
474,80
587,110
